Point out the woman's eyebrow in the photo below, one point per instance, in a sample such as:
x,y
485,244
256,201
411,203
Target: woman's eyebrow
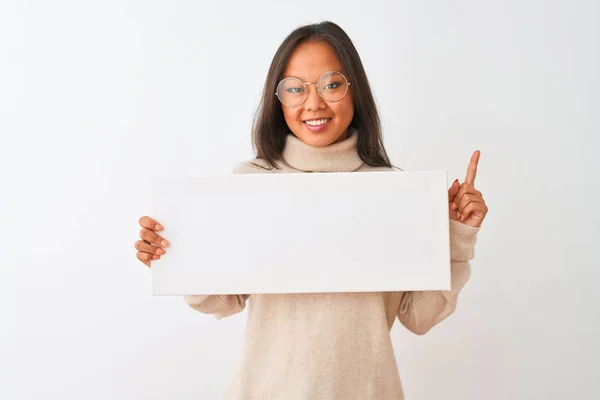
x,y
293,76
307,80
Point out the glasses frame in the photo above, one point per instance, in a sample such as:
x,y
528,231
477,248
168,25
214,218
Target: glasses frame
x,y
312,83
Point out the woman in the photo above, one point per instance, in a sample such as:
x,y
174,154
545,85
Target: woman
x,y
317,114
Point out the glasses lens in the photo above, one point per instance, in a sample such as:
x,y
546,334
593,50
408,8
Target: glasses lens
x,y
332,86
291,92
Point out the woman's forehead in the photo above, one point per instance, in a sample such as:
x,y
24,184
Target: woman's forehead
x,y
311,60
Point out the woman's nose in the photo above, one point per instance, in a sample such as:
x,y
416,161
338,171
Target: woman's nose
x,y
313,100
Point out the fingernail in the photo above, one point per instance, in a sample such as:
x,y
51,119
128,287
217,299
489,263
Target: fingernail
x,y
453,206
164,243
160,251
155,257
159,227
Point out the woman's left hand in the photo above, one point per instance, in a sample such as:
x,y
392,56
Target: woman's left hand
x,y
465,203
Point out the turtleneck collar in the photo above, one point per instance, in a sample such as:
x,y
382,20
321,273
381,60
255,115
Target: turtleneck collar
x,y
337,157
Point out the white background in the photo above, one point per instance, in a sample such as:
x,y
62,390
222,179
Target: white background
x,y
96,96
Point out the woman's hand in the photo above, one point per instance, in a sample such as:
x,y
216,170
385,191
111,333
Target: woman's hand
x,y
465,203
151,247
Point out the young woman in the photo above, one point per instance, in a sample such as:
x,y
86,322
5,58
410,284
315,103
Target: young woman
x,y
317,114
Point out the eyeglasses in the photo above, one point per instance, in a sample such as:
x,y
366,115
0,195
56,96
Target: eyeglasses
x,y
332,86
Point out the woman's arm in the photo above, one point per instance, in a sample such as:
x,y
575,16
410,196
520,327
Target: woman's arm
x,y
421,310
220,306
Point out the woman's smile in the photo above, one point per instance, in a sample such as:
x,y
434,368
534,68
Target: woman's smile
x,y
316,125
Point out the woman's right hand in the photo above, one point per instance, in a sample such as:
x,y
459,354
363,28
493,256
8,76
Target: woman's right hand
x,y
152,245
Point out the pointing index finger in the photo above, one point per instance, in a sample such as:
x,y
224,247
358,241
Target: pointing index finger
x,y
472,168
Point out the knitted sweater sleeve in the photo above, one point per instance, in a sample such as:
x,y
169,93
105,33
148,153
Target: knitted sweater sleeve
x,y
221,306
419,311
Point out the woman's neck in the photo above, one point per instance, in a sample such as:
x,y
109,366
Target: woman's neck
x,y
341,156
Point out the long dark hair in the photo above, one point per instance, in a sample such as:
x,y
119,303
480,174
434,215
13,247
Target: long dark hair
x,y
269,128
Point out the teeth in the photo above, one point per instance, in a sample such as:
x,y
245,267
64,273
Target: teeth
x,y
317,122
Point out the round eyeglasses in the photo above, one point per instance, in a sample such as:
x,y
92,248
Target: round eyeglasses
x,y
332,86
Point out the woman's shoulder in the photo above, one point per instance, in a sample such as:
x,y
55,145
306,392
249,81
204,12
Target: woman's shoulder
x,y
253,166
260,166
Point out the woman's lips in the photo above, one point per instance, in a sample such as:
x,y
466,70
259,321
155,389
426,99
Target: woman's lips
x,y
319,127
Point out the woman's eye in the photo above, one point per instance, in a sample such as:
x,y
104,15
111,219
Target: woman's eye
x,y
333,85
294,90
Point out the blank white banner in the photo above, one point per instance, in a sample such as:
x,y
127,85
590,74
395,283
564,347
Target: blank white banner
x,y
302,233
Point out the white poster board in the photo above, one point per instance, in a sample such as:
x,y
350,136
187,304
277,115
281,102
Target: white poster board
x,y
302,233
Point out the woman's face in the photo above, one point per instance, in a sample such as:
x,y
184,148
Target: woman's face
x,y
308,62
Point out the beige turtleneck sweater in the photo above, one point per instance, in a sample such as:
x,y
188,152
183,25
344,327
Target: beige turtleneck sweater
x,y
330,346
